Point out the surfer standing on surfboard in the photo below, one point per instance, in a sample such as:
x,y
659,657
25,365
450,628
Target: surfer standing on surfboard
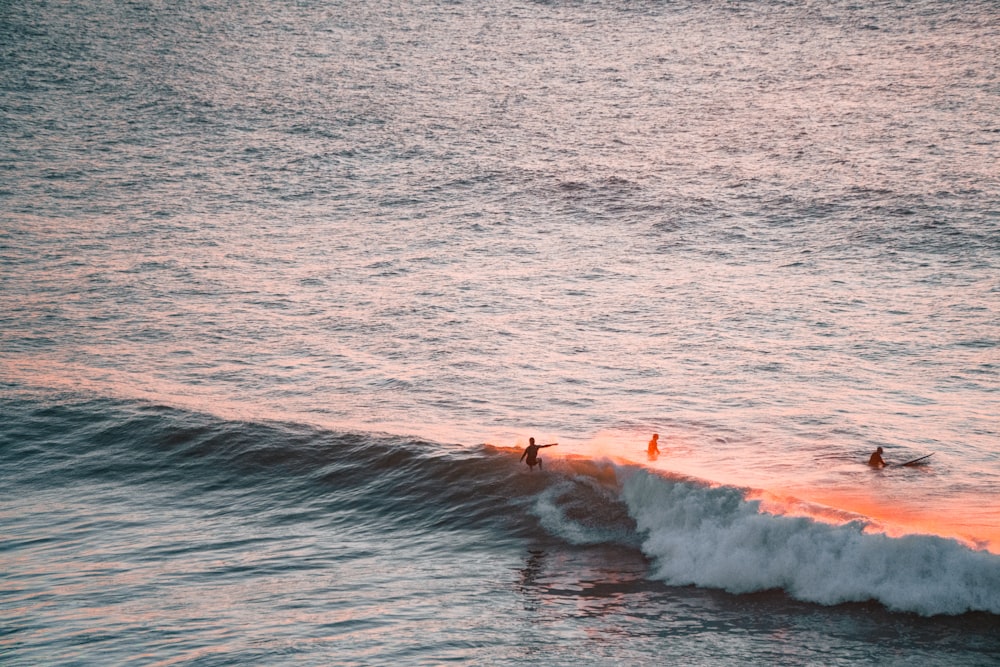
x,y
531,451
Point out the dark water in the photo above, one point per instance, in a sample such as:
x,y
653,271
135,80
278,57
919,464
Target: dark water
x,y
285,288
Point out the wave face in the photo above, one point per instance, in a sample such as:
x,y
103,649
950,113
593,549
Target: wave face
x,y
713,537
135,530
361,477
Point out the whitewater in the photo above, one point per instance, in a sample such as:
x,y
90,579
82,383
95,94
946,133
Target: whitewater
x,y
285,290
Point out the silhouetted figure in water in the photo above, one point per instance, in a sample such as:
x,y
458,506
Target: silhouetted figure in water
x,y
653,450
876,459
531,451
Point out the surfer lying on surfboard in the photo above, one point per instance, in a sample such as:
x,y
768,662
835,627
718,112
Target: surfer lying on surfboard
x,y
531,451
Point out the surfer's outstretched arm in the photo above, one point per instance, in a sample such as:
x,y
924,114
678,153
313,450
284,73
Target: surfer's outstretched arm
x,y
523,454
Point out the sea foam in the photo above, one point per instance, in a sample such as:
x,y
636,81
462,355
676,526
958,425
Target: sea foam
x,y
714,537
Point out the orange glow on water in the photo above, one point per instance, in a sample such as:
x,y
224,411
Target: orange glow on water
x,y
884,508
894,518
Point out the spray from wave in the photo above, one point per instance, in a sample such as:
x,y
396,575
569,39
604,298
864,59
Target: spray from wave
x,y
714,537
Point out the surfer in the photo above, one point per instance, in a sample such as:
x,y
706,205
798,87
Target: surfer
x,y
531,451
653,450
875,460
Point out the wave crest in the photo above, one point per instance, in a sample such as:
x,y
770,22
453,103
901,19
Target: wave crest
x,y
713,537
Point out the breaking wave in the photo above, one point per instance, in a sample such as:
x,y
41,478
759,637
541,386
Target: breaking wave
x,y
714,537
693,533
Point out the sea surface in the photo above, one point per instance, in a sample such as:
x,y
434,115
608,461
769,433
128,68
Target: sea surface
x,y
286,287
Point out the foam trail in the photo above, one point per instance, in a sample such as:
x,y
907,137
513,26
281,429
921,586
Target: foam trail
x,y
713,537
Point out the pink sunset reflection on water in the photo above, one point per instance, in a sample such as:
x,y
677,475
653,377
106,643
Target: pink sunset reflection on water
x,y
883,499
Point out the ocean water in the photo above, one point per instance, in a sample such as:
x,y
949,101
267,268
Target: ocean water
x,y
286,287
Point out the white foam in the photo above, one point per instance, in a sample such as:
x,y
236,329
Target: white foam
x,y
581,511
712,537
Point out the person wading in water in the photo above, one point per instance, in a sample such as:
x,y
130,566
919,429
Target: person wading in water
x,y
653,450
876,459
